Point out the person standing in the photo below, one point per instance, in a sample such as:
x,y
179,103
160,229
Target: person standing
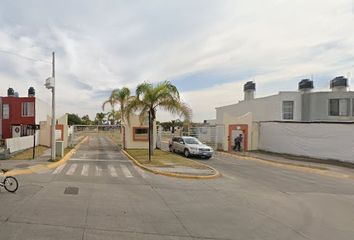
x,y
236,142
240,140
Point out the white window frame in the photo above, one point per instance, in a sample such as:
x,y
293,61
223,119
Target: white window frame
x,y
5,111
343,107
287,111
27,109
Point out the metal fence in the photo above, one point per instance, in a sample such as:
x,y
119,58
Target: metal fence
x,y
212,136
112,131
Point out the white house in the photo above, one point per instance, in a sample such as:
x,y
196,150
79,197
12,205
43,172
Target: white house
x,y
304,105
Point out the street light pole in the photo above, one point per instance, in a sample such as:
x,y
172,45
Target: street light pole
x,y
50,84
53,109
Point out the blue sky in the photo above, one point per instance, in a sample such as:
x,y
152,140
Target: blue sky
x,y
208,49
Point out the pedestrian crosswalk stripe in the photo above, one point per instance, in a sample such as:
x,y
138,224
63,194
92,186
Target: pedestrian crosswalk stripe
x,y
141,172
58,169
85,170
71,169
112,171
126,171
98,171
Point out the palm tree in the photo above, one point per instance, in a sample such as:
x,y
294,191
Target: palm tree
x,y
164,96
113,116
121,97
99,118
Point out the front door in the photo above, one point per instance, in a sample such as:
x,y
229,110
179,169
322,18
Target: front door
x,y
234,131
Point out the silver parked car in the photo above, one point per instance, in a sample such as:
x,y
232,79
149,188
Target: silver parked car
x,y
190,146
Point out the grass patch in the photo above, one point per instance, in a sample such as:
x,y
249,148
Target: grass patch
x,y
66,151
27,154
162,159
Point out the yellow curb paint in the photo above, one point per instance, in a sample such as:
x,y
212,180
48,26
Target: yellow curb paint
x,y
178,175
291,166
43,167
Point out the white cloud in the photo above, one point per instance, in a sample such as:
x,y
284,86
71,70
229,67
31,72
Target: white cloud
x,y
106,45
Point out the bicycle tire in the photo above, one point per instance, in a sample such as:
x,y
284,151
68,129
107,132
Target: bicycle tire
x,y
10,184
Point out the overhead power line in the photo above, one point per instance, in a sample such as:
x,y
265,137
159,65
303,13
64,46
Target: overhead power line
x,y
24,57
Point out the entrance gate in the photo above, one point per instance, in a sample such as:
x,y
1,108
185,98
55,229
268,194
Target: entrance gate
x,y
114,132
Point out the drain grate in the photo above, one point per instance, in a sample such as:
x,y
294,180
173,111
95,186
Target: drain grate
x,y
71,190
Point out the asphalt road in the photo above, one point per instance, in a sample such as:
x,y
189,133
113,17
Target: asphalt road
x,y
115,200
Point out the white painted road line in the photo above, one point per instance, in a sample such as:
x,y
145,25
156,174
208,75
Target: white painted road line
x,y
58,169
141,172
71,169
97,160
112,171
98,171
85,170
126,171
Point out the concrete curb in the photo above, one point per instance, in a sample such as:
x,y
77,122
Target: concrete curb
x,y
177,175
292,166
45,167
271,161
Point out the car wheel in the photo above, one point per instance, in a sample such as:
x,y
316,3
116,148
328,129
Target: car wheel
x,y
187,153
207,157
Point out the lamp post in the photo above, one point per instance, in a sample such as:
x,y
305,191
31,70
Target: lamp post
x,y
50,84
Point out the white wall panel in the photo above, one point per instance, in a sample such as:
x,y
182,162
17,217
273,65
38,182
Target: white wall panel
x,y
21,143
319,140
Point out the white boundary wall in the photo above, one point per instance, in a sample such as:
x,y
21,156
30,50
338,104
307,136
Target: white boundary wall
x,y
318,140
21,143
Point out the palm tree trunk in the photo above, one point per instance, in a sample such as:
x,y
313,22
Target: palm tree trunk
x,y
151,132
153,118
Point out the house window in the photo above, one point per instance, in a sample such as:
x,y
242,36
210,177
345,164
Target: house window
x,y
5,111
27,109
339,107
288,110
140,134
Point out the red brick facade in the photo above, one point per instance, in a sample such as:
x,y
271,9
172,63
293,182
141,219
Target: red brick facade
x,y
17,115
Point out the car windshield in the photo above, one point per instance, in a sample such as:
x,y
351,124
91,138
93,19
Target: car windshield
x,y
192,141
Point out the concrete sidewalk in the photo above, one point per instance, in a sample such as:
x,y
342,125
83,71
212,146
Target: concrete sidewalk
x,y
39,160
320,164
26,163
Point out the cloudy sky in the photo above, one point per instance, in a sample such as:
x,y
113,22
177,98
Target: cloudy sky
x,y
208,49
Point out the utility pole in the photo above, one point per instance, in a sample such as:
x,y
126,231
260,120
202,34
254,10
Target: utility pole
x,y
150,131
53,155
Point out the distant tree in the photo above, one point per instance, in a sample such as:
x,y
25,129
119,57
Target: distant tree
x,y
114,117
99,120
74,119
86,120
171,125
166,126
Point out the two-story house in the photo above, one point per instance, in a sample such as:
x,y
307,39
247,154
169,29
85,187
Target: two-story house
x,y
17,113
304,105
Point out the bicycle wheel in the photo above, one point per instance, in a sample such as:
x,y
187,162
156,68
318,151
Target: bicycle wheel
x,y
10,184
